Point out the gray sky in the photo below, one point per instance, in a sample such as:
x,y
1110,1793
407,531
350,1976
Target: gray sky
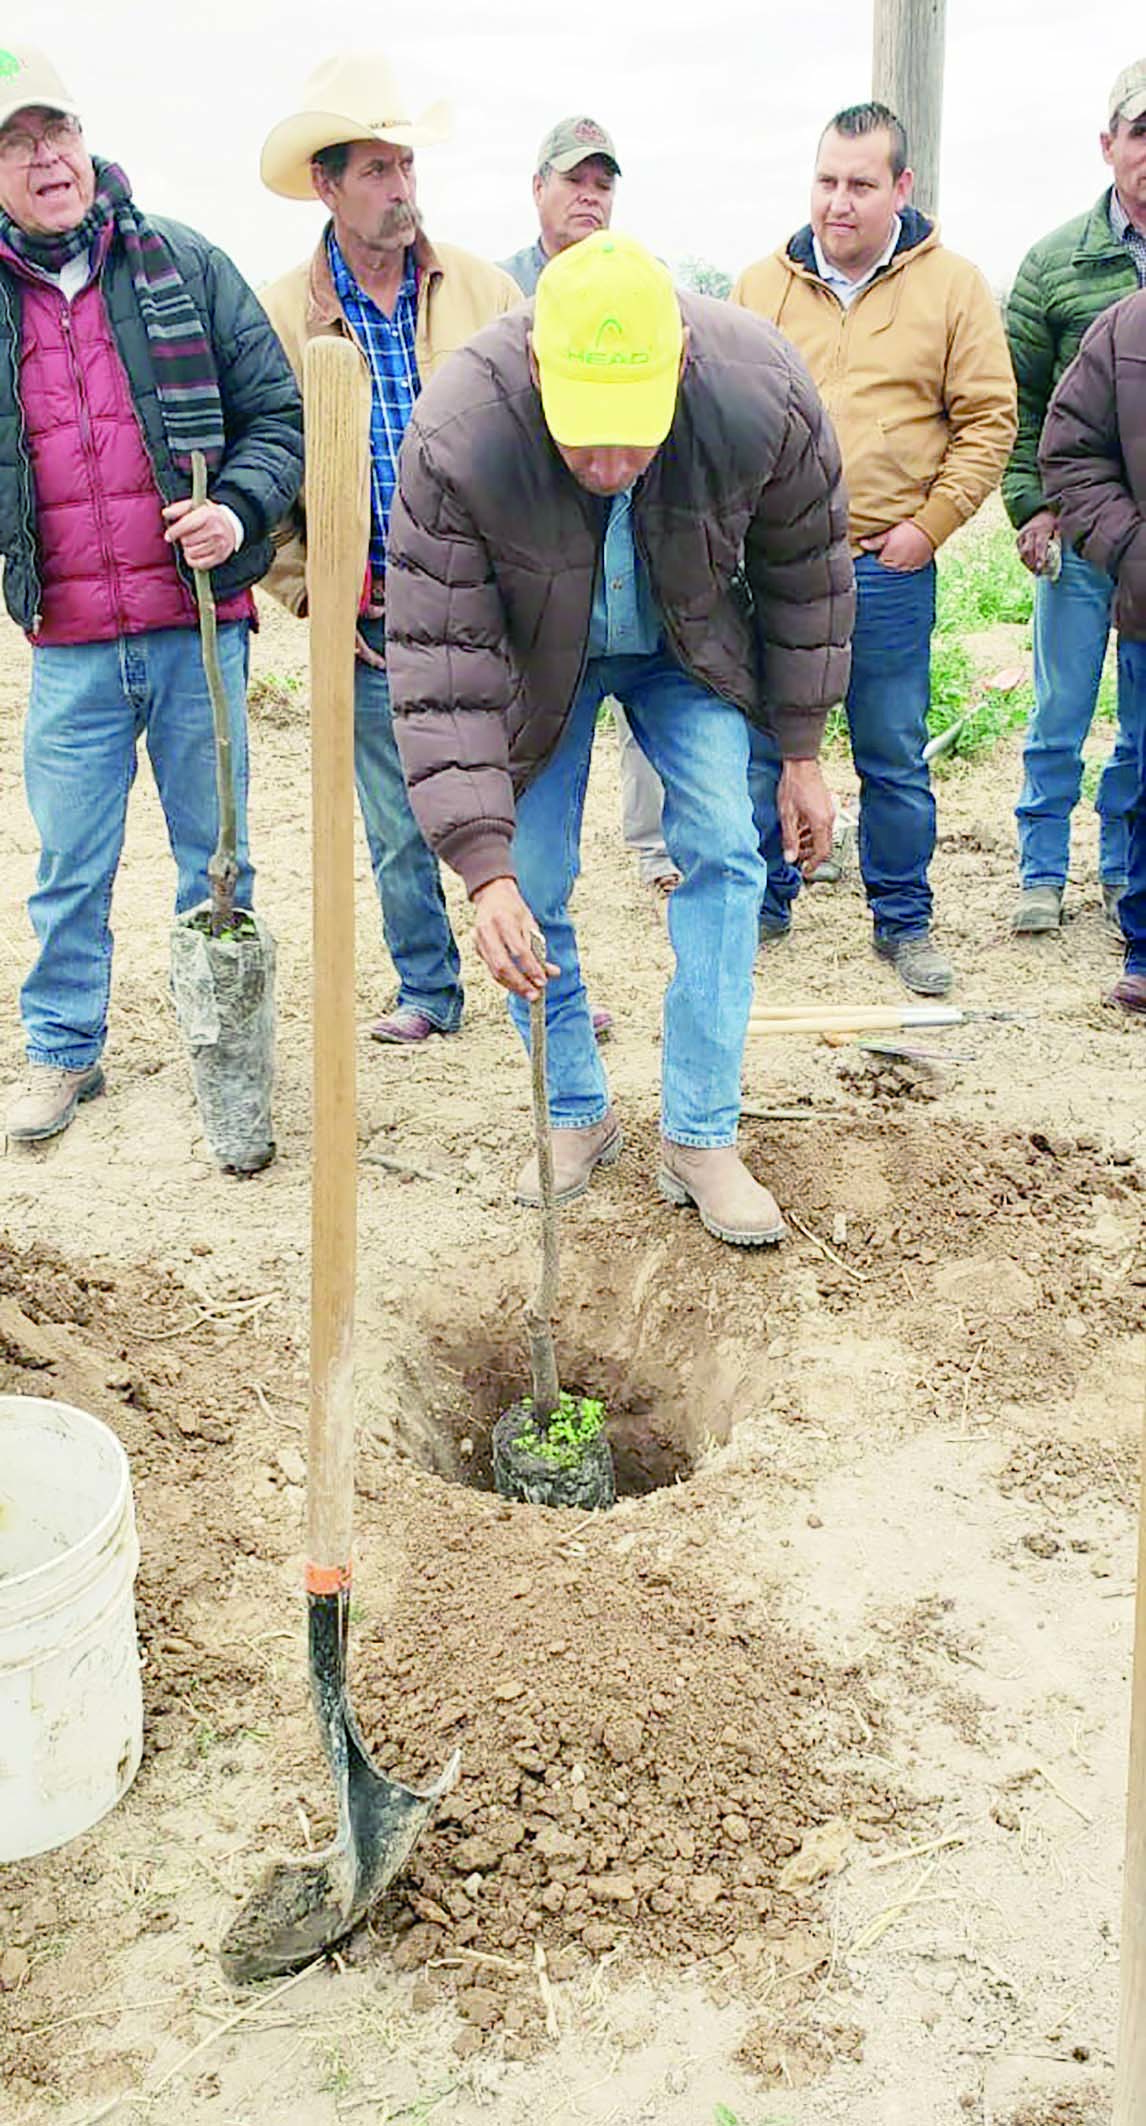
x,y
715,108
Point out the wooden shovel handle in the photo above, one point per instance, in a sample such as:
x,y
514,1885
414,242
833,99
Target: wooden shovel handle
x,y
336,396
858,1018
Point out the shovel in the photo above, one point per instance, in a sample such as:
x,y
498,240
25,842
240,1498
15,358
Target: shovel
x,y
223,957
946,741
771,1019
303,1907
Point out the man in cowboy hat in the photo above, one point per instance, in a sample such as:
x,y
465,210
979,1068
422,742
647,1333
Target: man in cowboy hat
x,y
623,492
406,304
125,345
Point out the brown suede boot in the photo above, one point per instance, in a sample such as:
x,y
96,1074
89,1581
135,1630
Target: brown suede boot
x,y
47,1101
1129,995
575,1154
732,1204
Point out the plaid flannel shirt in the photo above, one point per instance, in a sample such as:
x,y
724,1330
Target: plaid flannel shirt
x,y
388,344
1126,233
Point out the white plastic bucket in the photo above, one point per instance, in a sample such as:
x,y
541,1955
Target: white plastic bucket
x,y
71,1710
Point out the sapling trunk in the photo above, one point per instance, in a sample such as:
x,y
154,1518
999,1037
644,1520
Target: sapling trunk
x,y
539,1313
223,868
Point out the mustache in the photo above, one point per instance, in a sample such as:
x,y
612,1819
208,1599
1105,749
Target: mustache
x,y
398,219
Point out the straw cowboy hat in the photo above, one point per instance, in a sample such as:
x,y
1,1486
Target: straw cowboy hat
x,y
354,96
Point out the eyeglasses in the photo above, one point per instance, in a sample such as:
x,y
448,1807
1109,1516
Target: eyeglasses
x,y
19,148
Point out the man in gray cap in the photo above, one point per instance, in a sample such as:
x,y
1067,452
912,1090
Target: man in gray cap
x,y
573,185
1065,282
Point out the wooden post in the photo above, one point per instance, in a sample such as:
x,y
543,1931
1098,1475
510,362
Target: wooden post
x,y
1130,2083
907,74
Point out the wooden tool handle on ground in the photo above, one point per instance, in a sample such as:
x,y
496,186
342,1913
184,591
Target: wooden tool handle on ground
x,y
336,396
844,1018
1130,2081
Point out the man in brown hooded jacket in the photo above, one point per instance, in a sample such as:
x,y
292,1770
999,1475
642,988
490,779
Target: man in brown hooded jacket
x,y
1093,463
620,492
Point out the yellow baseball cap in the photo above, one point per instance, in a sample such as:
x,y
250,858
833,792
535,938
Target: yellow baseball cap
x,y
607,336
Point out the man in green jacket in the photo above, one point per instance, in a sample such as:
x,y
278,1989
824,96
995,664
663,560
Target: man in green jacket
x,y
1066,280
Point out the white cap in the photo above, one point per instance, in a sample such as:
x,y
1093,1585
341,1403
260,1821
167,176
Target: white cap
x,y
27,78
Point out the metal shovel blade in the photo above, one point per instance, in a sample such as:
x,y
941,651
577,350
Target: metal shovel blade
x,y
303,1907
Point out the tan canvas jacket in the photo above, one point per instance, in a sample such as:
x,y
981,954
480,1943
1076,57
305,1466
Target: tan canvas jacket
x,y
457,295
915,374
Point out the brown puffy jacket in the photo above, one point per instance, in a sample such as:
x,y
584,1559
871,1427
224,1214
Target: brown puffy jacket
x,y
1093,455
494,549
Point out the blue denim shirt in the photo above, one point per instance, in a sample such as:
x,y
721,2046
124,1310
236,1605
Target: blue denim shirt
x,y
625,620
526,267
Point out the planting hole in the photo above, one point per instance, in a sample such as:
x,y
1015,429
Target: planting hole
x,y
652,1445
626,1336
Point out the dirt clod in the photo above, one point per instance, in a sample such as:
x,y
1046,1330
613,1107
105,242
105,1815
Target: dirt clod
x,y
15,1965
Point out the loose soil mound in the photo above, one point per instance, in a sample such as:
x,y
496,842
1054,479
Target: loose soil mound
x,y
640,1759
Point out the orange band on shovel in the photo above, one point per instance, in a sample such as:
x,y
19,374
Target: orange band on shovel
x,y
326,1579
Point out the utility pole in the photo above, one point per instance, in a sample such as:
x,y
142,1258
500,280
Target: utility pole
x,y
1130,2084
907,74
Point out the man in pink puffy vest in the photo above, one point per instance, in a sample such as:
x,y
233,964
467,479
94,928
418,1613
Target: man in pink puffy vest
x,y
125,344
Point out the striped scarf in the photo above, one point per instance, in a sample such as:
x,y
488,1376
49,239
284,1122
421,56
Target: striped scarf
x,y
182,359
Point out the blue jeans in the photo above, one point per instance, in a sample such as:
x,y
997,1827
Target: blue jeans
x,y
90,704
414,920
698,745
887,705
1072,626
1132,906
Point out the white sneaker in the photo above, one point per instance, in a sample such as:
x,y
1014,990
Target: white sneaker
x,y
48,1099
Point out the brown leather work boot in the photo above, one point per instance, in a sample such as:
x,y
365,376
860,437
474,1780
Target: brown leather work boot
x,y
1129,995
47,1101
732,1204
575,1154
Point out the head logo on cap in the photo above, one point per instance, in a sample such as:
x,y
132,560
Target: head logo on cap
x,y
9,65
610,347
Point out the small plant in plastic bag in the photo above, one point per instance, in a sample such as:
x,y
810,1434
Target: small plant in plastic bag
x,y
224,989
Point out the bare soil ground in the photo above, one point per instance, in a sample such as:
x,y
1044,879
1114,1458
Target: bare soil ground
x,y
792,1790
